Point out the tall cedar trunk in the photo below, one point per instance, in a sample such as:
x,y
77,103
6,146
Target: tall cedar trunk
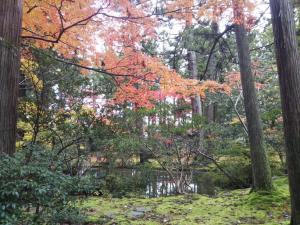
x,y
297,10
10,29
260,165
289,79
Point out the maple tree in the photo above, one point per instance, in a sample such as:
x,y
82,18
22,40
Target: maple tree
x,y
107,37
64,40
75,29
122,26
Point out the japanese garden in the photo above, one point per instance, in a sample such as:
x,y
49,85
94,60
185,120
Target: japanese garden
x,y
174,112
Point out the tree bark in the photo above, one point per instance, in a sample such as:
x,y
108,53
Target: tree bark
x,y
197,108
296,4
260,166
10,30
288,64
210,109
196,101
144,156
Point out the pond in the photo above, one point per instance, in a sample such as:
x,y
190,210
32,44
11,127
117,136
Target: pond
x,y
152,183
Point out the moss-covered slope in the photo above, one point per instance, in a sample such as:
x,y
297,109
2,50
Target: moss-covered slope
x,y
227,208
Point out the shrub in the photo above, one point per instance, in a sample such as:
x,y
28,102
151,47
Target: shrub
x,y
34,189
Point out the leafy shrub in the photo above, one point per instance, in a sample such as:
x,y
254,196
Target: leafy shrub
x,y
34,189
240,170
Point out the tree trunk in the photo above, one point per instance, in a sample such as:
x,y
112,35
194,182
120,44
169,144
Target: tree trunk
x,y
196,101
140,130
296,4
289,79
197,108
210,109
10,29
260,165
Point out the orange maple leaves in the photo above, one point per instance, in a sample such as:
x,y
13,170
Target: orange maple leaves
x,y
233,11
77,28
63,25
156,81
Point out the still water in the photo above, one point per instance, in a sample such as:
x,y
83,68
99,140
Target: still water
x,y
156,183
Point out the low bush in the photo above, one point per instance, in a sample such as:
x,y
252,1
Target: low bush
x,y
34,189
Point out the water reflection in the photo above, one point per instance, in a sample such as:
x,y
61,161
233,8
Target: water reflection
x,y
156,183
165,188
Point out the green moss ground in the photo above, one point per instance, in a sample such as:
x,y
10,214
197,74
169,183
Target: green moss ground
x,y
227,208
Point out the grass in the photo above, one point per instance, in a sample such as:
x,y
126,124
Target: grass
x,y
227,208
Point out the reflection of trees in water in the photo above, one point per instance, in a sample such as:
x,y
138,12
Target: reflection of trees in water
x,y
175,155
159,182
162,184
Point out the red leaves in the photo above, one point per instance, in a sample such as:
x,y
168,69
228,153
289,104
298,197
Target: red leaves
x,y
75,28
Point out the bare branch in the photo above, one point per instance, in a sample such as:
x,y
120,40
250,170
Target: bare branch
x,y
214,46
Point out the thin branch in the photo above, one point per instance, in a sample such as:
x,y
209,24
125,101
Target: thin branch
x,y
239,182
214,46
83,21
261,47
237,112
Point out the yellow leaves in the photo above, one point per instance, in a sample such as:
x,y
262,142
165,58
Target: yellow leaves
x,y
271,131
30,109
28,68
26,130
236,121
86,110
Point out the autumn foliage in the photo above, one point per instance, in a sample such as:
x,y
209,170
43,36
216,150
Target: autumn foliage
x,y
232,11
108,35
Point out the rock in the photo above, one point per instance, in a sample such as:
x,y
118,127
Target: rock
x,y
142,209
110,215
270,214
165,220
135,214
286,215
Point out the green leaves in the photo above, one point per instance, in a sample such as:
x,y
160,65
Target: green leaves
x,y
37,191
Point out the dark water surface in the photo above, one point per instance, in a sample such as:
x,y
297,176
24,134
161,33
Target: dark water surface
x,y
157,183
